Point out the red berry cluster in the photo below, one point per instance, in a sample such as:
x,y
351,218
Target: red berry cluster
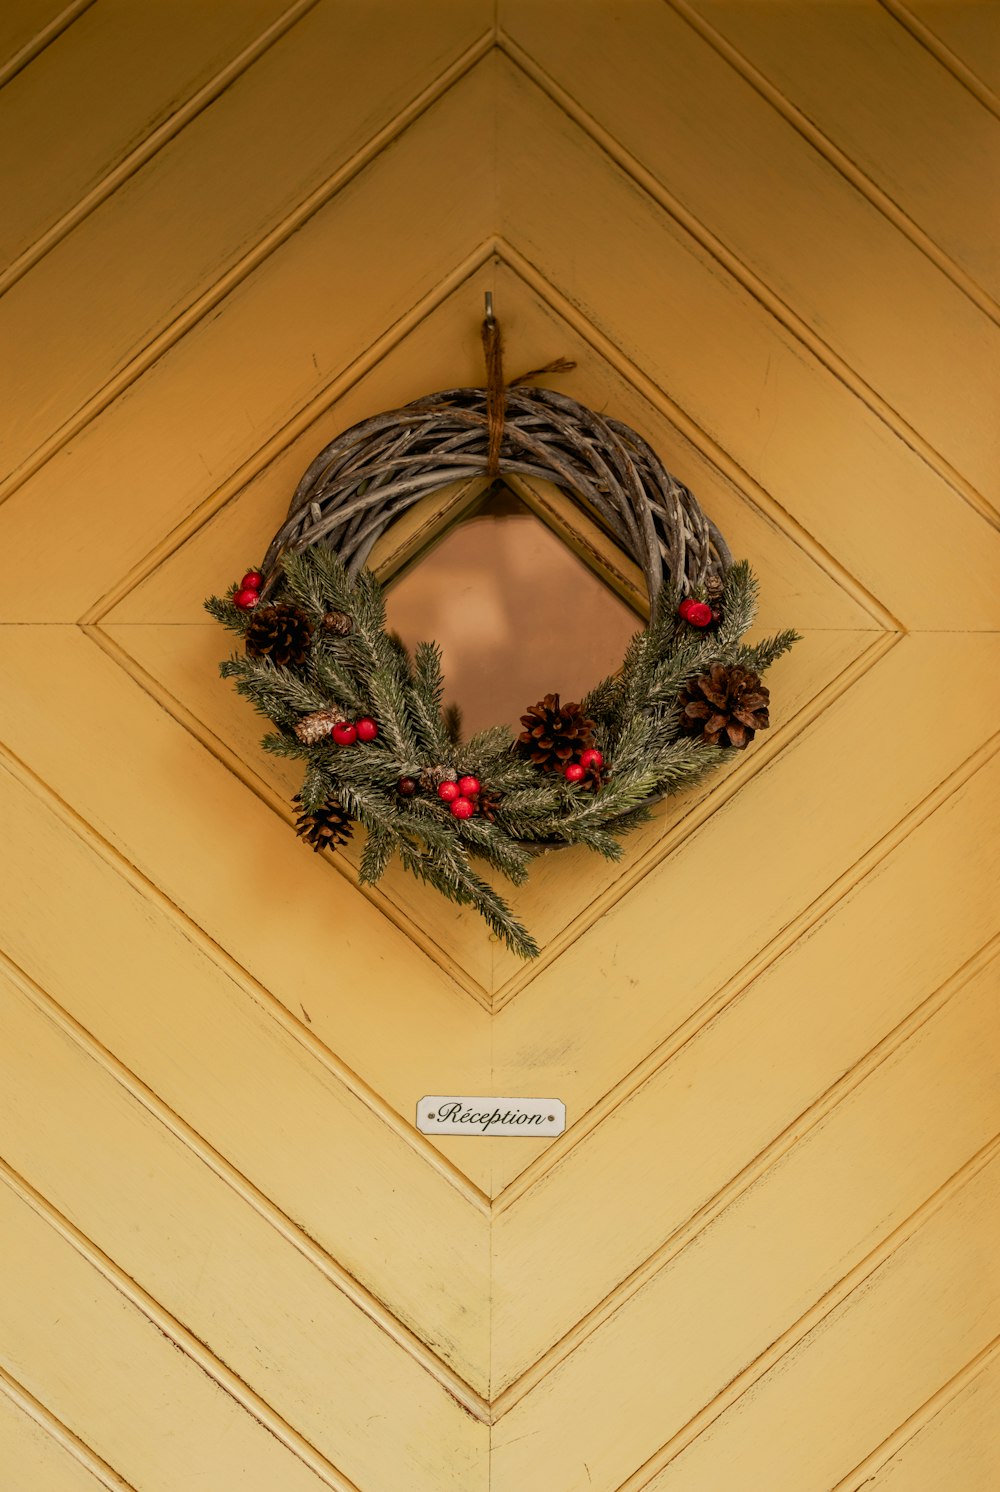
x,y
346,732
248,591
590,761
696,613
461,796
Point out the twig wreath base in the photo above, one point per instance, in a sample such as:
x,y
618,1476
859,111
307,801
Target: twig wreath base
x,y
368,720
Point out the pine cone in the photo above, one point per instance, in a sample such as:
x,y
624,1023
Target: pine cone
x,y
338,623
430,778
554,734
281,632
314,727
326,827
487,804
725,706
595,779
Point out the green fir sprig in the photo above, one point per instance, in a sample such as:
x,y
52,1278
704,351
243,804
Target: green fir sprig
x,y
369,674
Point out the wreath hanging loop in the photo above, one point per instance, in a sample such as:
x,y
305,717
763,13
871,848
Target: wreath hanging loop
x,y
367,718
367,477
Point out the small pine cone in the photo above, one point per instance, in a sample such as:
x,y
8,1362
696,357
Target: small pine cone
x,y
595,779
338,623
725,706
326,828
313,728
281,632
430,778
713,589
554,734
487,804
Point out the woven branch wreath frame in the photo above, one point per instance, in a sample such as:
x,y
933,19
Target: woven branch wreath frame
x,y
364,480
368,719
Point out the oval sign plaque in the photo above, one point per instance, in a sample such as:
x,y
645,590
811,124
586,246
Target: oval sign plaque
x,y
447,1114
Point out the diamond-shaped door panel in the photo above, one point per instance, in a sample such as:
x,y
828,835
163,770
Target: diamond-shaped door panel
x,y
516,613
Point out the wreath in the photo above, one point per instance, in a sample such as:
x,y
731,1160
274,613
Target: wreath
x,y
367,718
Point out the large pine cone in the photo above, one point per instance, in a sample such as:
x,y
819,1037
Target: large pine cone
x,y
280,632
326,827
554,734
725,706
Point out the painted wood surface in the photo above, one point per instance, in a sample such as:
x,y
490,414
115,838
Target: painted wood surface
x,y
230,1259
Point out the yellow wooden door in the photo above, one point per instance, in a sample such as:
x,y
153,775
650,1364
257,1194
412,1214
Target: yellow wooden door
x,y
762,1256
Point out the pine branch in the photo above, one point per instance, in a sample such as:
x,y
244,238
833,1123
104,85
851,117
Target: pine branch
x,y
224,611
376,856
424,701
738,605
275,692
759,656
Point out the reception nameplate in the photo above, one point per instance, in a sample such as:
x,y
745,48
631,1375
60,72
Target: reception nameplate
x,y
446,1114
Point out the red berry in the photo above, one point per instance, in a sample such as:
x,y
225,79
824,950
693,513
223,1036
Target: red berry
x,y
344,733
698,613
591,758
252,581
575,773
448,792
406,787
366,728
246,599
469,787
462,808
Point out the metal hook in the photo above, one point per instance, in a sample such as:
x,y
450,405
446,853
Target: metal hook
x,y
490,318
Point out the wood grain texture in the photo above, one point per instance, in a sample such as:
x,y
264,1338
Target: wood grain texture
x,y
103,323
32,1456
878,1355
200,1249
124,69
78,1341
212,1030
902,118
27,27
967,29
797,1024
736,175
762,1253
854,1162
958,1442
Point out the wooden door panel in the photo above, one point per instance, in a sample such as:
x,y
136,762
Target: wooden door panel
x,y
232,1261
922,154
736,174
37,1451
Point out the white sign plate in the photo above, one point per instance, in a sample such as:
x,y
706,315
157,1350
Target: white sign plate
x,y
533,1118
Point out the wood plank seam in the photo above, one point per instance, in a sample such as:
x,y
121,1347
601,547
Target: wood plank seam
x,y
754,286
46,1421
797,1333
42,39
940,50
209,298
327,395
773,1154
179,1335
179,117
854,174
755,494
693,819
261,789
339,1277
781,944
196,935
894,1443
